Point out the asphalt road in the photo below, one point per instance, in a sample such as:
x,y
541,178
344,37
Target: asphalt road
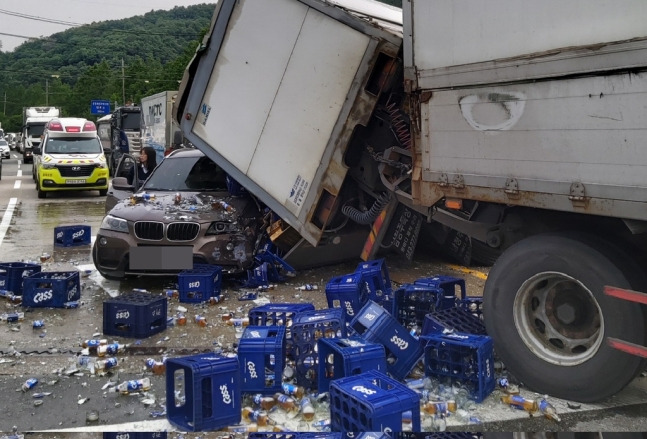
x,y
26,233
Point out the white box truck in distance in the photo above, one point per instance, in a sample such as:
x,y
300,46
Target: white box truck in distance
x,y
524,151
33,125
157,125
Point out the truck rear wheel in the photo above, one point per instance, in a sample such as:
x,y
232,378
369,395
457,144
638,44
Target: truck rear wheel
x,y
545,308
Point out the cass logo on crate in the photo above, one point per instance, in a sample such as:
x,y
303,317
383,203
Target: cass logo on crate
x,y
195,284
251,367
2,282
122,436
364,390
122,314
349,308
399,342
59,235
76,236
254,334
369,316
43,296
71,293
458,336
226,397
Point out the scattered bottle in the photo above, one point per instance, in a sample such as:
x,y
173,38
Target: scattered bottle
x,y
11,297
214,300
201,320
439,407
292,390
38,324
548,410
181,319
108,363
286,402
12,317
259,417
93,344
128,387
71,305
519,402
172,294
157,367
239,322
243,428
307,287
110,349
264,402
29,384
227,316
307,409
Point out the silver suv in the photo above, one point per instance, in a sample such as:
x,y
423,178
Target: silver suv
x,y
186,212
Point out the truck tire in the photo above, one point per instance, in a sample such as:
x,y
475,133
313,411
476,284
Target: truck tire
x,y
41,193
544,306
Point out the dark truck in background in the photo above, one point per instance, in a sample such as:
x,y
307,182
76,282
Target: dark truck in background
x,y
357,123
128,119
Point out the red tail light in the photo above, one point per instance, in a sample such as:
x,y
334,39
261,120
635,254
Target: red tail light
x,y
73,129
55,125
89,126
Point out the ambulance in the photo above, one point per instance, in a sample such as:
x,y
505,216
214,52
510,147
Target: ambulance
x,y
70,158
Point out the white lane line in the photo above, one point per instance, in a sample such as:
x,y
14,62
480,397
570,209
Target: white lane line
x,y
19,172
6,218
16,185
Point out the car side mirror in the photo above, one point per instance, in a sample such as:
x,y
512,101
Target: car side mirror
x,y
36,150
121,183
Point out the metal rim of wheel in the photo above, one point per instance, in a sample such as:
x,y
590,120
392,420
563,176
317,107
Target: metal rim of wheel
x,y
564,322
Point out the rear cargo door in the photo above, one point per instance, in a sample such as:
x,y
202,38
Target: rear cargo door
x,y
271,98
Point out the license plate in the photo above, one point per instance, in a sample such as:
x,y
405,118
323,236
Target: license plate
x,y
161,258
74,181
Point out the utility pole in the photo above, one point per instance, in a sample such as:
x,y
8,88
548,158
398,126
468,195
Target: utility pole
x,y
4,108
123,83
46,92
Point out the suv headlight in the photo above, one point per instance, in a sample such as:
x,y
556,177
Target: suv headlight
x,y
220,227
48,165
113,223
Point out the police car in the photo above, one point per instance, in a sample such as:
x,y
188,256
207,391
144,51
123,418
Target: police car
x,y
70,158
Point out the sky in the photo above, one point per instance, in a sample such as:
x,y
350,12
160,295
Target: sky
x,y
30,15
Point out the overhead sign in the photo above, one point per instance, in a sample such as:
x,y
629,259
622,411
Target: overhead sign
x,y
100,107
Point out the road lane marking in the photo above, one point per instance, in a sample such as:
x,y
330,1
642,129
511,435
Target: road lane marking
x,y
16,185
466,270
19,172
6,218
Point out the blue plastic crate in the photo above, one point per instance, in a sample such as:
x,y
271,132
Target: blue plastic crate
x,y
72,236
261,354
307,328
51,289
211,386
200,283
464,358
472,304
372,401
279,314
411,303
135,314
342,357
12,275
268,435
375,276
234,188
459,319
376,325
347,292
453,287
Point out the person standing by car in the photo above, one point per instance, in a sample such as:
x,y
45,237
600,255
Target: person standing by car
x,y
147,162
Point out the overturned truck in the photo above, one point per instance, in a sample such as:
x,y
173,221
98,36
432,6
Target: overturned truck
x,y
357,123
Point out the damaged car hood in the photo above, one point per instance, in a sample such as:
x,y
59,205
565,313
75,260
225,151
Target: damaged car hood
x,y
181,206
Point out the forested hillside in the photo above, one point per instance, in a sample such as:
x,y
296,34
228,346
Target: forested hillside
x,y
70,68
117,60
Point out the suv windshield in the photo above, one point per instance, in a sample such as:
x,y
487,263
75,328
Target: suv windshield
x,y
187,174
73,145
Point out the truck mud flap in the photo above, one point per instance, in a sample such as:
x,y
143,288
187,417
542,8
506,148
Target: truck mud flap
x,y
631,296
396,228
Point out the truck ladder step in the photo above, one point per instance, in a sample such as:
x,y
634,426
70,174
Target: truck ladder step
x,y
627,347
621,293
